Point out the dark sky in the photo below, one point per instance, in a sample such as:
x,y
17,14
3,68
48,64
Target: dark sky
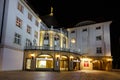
x,y
70,12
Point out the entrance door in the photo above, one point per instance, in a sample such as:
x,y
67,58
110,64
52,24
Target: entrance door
x,y
64,63
44,61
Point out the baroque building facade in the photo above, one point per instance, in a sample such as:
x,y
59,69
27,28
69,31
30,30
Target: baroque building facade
x,y
82,47
28,44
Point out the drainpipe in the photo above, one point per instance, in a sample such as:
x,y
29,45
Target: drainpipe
x,y
2,21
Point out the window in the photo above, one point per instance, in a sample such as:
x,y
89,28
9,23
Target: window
x,y
28,29
18,22
20,7
99,50
97,28
56,37
36,34
36,23
86,64
98,38
17,38
46,37
84,30
29,16
28,42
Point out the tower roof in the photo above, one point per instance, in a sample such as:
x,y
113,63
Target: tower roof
x,y
49,19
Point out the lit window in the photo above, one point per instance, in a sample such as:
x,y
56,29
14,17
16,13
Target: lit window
x,y
97,28
86,64
98,50
36,23
28,29
17,38
20,7
98,38
29,16
18,22
36,34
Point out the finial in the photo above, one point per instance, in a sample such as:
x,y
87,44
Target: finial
x,y
51,13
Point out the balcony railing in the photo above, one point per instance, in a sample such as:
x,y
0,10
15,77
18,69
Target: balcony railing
x,y
52,48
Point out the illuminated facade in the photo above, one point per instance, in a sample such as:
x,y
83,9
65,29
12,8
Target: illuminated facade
x,y
26,43
82,47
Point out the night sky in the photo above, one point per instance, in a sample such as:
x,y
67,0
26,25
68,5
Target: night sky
x,y
70,12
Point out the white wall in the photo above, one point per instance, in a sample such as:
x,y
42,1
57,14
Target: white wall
x,y
86,41
1,13
11,54
11,27
12,59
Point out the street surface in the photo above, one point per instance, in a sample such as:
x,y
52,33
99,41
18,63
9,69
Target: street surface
x,y
65,75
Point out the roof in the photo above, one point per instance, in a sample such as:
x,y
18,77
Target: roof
x,y
83,23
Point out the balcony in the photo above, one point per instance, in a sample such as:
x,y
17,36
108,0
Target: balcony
x,y
51,48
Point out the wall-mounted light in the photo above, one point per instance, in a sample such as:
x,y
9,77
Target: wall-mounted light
x,y
73,40
71,57
109,59
57,57
32,55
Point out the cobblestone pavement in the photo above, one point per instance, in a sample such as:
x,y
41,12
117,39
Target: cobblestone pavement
x,y
65,75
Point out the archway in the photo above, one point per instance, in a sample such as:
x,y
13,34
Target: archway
x,y
96,65
76,63
44,61
64,63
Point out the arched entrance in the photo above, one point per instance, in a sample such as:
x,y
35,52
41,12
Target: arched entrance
x,y
76,63
64,63
44,61
96,65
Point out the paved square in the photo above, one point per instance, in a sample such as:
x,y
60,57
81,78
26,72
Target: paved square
x,y
65,75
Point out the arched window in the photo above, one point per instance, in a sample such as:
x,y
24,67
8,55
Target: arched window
x,y
46,39
44,61
56,40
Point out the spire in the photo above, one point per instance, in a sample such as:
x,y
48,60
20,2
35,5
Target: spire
x,y
51,13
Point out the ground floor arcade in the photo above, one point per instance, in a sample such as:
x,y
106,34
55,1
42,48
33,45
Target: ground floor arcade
x,y
61,60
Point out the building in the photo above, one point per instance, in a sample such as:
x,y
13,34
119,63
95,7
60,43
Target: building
x,y
19,26
83,47
28,44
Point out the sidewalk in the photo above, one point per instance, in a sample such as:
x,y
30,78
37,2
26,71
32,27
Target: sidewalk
x,y
116,70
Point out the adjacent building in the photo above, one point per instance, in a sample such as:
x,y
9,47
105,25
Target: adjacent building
x,y
19,26
26,43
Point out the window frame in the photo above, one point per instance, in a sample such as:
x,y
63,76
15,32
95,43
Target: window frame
x,y
20,7
19,22
29,29
99,50
30,16
17,38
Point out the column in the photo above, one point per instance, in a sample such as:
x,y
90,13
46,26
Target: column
x,y
70,63
57,62
42,33
51,40
61,41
